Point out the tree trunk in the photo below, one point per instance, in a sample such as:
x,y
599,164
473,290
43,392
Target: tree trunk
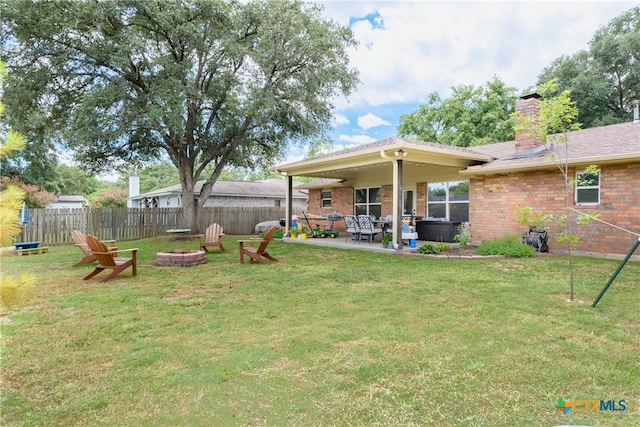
x,y
190,203
190,211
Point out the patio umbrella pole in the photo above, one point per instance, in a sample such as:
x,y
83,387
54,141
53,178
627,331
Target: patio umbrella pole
x,y
24,221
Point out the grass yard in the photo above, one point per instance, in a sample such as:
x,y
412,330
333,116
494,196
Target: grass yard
x,y
326,337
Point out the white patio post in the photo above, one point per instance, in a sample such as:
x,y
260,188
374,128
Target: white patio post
x,y
397,195
397,202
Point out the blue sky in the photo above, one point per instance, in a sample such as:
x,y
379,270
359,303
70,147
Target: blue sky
x,y
408,49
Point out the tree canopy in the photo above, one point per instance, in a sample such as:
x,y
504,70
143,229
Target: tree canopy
x,y
605,79
472,116
204,82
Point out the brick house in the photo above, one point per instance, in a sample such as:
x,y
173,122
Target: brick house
x,y
265,193
483,185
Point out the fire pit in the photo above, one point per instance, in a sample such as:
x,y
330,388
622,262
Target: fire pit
x,y
180,258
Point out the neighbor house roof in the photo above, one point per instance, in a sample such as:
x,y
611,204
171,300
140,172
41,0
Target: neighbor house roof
x,y
266,188
69,199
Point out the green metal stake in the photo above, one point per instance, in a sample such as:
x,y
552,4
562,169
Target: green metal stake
x,y
635,246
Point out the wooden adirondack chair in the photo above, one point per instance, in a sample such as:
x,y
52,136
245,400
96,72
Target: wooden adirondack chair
x,y
80,240
211,237
260,253
107,260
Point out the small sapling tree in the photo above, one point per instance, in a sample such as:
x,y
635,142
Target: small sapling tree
x,y
555,120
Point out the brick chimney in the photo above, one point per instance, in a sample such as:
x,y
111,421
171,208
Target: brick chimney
x,y
528,106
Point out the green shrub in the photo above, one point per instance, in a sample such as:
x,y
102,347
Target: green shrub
x,y
464,235
509,246
428,249
442,247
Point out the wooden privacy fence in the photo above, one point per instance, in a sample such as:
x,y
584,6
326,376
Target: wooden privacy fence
x,y
54,226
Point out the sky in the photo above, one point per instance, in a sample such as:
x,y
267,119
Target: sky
x,y
409,49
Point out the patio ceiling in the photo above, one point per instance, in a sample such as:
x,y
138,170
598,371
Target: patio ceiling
x,y
376,158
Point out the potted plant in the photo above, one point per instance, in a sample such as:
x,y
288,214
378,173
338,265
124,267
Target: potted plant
x,y
303,233
387,241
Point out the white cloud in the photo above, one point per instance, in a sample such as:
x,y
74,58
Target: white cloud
x,y
369,121
413,48
340,119
358,139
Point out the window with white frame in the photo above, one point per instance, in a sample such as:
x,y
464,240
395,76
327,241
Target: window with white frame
x,y
368,201
448,200
326,199
587,188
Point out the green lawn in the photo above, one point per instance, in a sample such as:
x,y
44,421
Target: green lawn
x,y
325,337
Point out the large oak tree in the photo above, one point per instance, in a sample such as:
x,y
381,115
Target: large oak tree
x,y
208,82
472,116
605,79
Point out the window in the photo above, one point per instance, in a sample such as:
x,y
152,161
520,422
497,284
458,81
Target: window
x,y
448,200
587,188
326,199
368,201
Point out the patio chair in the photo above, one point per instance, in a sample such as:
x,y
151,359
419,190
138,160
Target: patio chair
x,y
260,253
367,228
80,240
107,260
351,222
211,237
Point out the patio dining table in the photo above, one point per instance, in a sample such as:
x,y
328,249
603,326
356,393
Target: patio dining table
x,y
384,224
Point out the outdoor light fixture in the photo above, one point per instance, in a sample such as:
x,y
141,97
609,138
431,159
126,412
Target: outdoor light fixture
x,y
399,153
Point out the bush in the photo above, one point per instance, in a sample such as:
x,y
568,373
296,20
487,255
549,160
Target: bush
x,y
112,198
428,249
442,247
509,246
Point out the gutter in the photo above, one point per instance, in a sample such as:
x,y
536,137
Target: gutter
x,y
614,158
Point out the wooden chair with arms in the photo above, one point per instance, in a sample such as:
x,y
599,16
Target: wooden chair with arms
x,y
260,253
212,236
80,240
107,260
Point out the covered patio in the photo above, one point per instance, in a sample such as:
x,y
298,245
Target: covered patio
x,y
395,162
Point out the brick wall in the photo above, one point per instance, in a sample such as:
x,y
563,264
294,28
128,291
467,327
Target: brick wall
x,y
527,108
421,199
387,200
341,202
493,200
